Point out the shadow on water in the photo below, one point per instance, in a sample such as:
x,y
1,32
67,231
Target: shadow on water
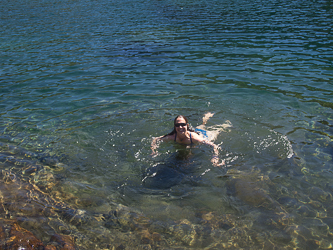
x,y
178,169
162,176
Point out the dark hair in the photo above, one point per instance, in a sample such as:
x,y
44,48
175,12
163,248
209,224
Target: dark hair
x,y
174,128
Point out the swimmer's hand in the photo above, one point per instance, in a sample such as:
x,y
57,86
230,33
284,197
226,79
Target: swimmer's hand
x,y
154,153
216,161
154,146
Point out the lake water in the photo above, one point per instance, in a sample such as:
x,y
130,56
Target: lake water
x,y
85,85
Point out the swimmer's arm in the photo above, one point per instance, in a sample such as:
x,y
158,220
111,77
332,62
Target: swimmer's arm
x,y
197,138
156,142
215,147
215,158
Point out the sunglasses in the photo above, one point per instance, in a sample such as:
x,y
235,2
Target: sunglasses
x,y
180,124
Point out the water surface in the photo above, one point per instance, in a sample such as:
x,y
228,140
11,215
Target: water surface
x,y
85,86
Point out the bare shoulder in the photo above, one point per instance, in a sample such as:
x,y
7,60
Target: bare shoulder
x,y
165,138
197,138
200,139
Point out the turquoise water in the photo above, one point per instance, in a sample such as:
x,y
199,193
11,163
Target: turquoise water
x,y
85,85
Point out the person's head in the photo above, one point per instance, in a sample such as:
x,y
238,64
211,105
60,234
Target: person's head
x,y
181,122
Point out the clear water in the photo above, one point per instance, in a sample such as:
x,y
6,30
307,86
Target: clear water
x,y
85,85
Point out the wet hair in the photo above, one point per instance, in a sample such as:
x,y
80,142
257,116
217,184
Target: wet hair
x,y
174,128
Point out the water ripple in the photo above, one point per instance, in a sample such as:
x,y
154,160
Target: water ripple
x,y
85,85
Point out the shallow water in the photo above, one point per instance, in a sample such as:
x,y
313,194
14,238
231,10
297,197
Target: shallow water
x,y
86,85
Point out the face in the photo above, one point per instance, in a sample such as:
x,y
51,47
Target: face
x,y
181,129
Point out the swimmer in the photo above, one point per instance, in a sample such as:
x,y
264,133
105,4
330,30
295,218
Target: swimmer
x,y
183,134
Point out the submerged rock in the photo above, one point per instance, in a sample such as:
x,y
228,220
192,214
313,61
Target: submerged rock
x,y
29,193
63,242
247,189
13,236
126,219
253,190
317,193
18,237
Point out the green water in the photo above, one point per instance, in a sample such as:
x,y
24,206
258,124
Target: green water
x,y
85,85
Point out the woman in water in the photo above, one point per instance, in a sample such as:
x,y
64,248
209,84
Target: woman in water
x,y
183,134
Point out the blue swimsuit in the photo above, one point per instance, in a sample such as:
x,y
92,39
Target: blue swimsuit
x,y
201,131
